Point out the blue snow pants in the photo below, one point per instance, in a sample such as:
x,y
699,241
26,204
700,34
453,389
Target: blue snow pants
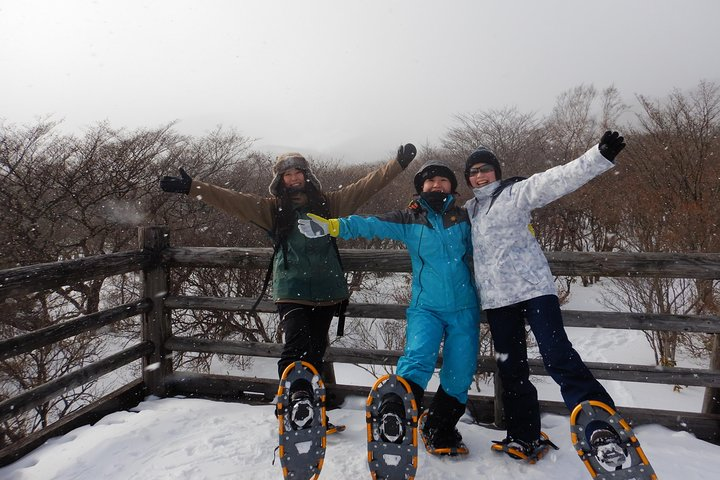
x,y
562,362
424,332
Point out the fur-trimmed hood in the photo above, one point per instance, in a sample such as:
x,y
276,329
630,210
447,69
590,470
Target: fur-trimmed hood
x,y
285,162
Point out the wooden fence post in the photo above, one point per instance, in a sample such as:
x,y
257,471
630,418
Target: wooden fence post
x,y
328,370
711,402
497,401
156,323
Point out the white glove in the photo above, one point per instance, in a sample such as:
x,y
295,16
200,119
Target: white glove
x,y
318,226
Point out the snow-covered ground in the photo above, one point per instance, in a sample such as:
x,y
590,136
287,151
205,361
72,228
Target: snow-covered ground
x,y
192,439
189,439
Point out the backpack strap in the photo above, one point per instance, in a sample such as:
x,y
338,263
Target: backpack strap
x,y
340,312
268,275
278,243
342,306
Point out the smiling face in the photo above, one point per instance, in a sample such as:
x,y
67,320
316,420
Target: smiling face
x,y
437,184
481,174
293,178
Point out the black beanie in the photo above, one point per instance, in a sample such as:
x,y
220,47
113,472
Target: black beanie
x,y
482,155
434,168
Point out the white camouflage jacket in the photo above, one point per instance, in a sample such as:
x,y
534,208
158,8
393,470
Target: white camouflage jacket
x,y
509,265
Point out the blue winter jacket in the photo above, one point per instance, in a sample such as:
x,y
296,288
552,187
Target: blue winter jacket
x,y
440,250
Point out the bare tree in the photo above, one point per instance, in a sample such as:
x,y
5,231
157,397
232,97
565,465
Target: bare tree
x,y
65,197
584,220
512,135
671,193
644,295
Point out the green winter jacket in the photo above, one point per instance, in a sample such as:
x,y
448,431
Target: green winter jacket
x,y
313,275
313,272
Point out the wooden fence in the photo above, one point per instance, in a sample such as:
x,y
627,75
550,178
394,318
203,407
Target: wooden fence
x,y
156,257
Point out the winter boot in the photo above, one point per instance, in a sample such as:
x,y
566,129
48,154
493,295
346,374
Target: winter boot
x,y
418,393
607,448
518,449
438,426
392,418
300,408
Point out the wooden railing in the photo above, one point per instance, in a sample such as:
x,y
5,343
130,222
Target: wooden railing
x,y
156,258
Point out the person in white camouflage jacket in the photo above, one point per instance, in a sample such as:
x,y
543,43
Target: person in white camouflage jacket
x,y
515,284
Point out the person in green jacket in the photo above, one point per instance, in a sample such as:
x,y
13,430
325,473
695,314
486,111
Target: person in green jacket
x,y
308,282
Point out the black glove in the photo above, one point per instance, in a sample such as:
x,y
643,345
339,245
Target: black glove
x,y
611,144
406,154
179,184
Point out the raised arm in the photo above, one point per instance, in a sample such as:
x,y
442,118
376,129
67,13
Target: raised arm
x,y
347,200
245,206
545,187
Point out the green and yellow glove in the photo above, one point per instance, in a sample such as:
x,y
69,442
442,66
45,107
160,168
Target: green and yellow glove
x,y
318,226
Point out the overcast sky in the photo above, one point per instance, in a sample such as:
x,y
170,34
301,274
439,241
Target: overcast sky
x,y
337,78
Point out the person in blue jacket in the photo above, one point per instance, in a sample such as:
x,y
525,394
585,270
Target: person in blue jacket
x,y
444,305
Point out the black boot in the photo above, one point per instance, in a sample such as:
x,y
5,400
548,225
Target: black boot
x,y
418,393
392,418
300,407
438,432
392,413
607,447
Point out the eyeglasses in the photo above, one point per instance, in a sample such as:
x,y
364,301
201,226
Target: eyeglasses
x,y
484,169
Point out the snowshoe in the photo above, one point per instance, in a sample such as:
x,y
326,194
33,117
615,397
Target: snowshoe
x,y
302,421
391,415
529,452
439,441
332,428
612,451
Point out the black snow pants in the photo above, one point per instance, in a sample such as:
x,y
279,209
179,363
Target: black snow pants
x,y
562,362
306,333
